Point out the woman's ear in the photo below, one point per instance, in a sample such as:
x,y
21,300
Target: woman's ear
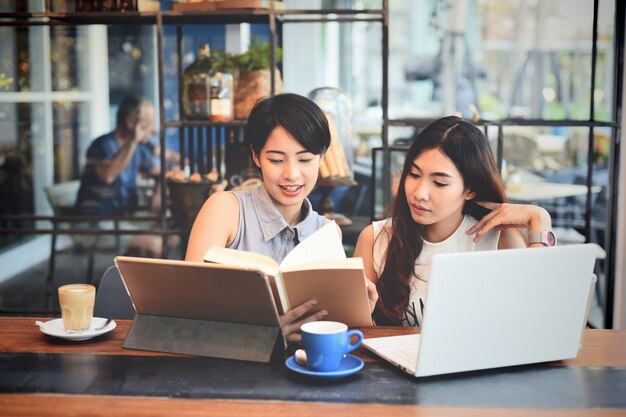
x,y
255,158
469,195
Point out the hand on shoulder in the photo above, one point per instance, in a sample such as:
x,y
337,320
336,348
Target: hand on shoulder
x,y
508,215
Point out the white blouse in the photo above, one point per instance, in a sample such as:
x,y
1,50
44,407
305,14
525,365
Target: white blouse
x,y
458,241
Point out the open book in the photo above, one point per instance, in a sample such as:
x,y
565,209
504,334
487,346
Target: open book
x,y
317,268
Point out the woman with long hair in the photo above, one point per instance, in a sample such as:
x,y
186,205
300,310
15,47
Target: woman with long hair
x,y
450,198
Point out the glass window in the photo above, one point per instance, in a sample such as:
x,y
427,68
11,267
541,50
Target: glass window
x,y
45,113
504,58
16,152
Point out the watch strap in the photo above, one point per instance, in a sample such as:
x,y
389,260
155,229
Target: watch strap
x,y
546,238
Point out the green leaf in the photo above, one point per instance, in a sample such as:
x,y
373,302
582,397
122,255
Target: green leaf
x,y
255,58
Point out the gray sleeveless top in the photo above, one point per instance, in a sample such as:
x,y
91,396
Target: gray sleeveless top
x,y
262,229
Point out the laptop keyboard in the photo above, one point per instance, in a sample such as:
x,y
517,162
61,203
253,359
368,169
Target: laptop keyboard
x,y
402,350
407,355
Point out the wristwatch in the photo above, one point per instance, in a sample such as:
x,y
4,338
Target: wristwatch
x,y
546,238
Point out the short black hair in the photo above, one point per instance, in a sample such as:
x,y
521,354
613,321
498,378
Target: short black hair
x,y
130,105
301,117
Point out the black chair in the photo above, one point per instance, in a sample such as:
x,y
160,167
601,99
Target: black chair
x,y
112,300
61,197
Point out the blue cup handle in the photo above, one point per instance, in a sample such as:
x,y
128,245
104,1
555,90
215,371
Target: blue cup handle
x,y
351,346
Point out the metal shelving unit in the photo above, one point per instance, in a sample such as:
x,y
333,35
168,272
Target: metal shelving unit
x,y
274,18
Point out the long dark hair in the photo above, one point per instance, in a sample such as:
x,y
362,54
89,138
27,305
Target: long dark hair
x,y
469,150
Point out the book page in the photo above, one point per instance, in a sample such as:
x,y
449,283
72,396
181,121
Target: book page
x,y
251,260
324,244
278,292
338,286
241,258
346,263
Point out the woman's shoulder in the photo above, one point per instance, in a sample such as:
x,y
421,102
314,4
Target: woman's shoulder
x,y
379,225
489,240
224,201
240,194
469,220
378,233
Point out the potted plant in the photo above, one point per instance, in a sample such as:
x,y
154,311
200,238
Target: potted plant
x,y
251,71
5,82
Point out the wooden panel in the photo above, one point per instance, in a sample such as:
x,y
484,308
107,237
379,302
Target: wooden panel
x,y
600,347
50,406
603,348
22,335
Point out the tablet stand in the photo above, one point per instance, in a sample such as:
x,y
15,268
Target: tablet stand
x,y
205,338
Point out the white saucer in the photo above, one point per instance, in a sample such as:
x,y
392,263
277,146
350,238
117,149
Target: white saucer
x,y
55,328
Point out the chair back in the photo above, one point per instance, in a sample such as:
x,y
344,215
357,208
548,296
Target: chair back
x,y
62,196
112,300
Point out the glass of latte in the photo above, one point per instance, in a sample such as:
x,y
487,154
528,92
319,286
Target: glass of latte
x,y
77,301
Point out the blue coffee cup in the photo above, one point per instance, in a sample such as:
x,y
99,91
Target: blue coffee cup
x,y
325,343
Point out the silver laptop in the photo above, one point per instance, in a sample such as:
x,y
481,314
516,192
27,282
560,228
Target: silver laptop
x,y
498,308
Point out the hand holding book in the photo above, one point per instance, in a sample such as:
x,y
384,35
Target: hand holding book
x,y
315,270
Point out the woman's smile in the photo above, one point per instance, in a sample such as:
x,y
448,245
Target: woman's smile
x,y
291,190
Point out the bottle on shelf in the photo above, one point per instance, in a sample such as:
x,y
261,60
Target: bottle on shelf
x,y
221,108
207,93
197,86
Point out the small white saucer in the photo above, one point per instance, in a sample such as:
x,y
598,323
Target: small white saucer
x,y
55,328
349,365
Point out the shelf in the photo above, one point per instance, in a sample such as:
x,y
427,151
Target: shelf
x,y
203,123
78,19
206,145
331,15
141,18
215,17
189,17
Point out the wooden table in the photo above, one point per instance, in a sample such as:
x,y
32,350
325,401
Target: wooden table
x,y
42,376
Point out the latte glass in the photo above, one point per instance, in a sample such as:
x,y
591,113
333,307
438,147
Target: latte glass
x,y
77,301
